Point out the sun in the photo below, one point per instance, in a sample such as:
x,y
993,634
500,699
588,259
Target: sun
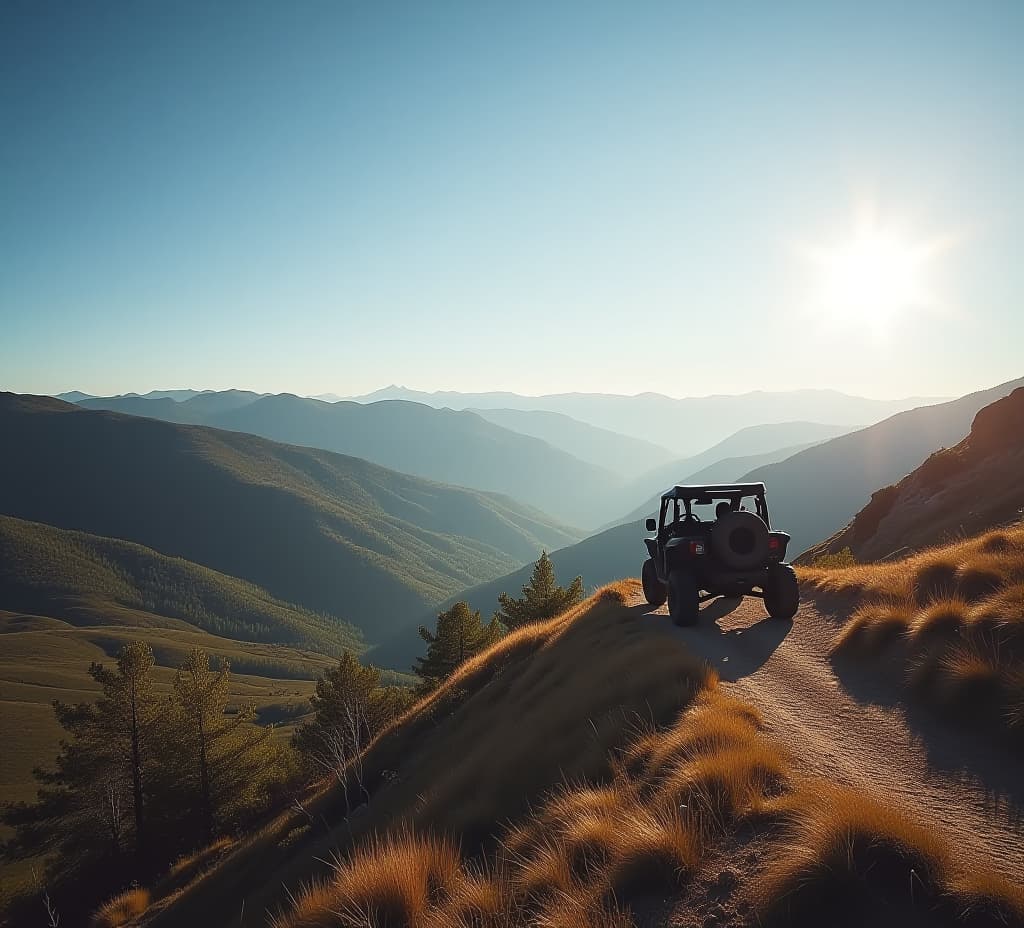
x,y
872,279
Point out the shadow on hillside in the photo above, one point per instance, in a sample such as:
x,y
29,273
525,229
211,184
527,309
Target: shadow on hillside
x,y
959,746
734,653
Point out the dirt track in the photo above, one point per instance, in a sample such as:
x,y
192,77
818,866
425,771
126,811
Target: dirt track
x,y
853,724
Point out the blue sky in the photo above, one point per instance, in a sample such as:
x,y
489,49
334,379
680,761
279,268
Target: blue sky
x,y
537,197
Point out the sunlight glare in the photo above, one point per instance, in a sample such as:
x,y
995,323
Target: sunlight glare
x,y
871,280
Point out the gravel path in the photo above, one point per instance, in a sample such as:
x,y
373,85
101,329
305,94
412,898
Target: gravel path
x,y
856,727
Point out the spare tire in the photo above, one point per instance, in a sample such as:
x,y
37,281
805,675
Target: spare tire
x,y
740,540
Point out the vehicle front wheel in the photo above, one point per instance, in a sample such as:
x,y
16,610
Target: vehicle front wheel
x,y
654,590
781,592
683,598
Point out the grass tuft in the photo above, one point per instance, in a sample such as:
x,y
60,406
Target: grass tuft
x,y
942,620
389,883
957,614
873,628
845,849
121,909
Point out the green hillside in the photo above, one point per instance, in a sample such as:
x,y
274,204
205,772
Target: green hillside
x,y
85,580
335,534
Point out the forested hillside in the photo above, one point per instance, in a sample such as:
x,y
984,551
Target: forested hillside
x,y
332,533
85,580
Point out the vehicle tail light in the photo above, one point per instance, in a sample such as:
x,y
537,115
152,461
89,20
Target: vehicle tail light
x,y
696,547
774,544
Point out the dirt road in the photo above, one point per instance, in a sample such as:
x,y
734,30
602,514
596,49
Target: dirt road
x,y
855,724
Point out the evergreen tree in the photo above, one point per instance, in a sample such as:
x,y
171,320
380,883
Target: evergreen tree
x,y
542,597
127,711
140,773
89,807
228,759
349,708
460,634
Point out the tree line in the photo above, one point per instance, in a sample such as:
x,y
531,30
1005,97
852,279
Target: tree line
x,y
142,778
460,632
351,707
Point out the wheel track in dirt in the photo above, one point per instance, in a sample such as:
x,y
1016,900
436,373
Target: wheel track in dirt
x,y
859,730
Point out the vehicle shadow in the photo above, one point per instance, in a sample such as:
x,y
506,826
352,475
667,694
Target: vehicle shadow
x,y
734,652
962,745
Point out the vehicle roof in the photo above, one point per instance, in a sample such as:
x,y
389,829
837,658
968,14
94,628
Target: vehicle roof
x,y
713,490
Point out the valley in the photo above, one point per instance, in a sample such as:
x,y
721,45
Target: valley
x,y
85,573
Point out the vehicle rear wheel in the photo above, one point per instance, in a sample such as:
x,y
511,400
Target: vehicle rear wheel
x,y
683,597
654,590
781,592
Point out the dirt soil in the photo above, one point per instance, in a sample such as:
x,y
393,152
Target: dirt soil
x,y
853,724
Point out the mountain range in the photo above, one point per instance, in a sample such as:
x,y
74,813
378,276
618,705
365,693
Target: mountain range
x,y
687,425
810,494
623,455
331,533
579,473
726,461
458,448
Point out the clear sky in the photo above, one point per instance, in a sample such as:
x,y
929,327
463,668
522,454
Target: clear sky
x,y
682,197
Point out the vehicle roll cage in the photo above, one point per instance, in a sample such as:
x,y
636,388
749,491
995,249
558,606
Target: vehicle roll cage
x,y
707,494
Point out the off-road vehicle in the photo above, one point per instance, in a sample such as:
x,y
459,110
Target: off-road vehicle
x,y
732,551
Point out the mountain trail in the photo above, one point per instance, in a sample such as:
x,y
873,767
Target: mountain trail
x,y
853,724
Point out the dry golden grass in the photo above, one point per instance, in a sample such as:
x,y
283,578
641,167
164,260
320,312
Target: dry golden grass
x,y
121,909
581,858
845,852
571,690
874,627
388,884
957,613
193,863
551,702
582,784
939,621
931,574
586,849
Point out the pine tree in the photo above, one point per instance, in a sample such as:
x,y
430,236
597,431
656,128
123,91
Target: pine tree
x,y
349,708
229,756
460,634
127,711
542,597
81,811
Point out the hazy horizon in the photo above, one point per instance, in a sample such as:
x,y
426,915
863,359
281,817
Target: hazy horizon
x,y
435,391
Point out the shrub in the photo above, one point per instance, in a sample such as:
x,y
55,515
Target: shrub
x,y
842,558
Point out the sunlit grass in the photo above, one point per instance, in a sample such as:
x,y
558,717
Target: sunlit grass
x,y
955,612
122,909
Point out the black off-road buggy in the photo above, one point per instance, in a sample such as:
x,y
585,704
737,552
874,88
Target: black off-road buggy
x,y
731,551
